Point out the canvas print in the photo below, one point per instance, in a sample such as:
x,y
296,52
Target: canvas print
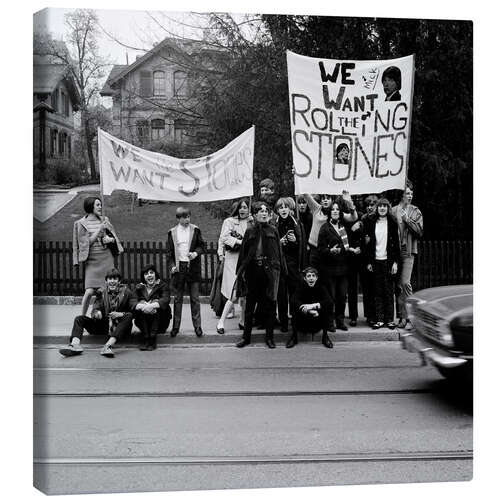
x,y
252,250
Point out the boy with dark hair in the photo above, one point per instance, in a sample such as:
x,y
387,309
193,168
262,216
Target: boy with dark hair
x,y
184,247
309,307
111,315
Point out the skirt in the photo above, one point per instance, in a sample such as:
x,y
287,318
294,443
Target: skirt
x,y
99,262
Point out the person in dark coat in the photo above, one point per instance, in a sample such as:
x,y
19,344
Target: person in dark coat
x,y
354,265
293,246
260,265
333,249
383,254
111,315
152,313
305,216
184,247
310,306
367,283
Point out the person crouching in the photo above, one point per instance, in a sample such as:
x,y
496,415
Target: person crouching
x,y
152,313
310,306
111,315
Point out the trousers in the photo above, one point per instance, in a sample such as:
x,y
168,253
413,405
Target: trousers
x,y
122,327
384,292
403,288
179,282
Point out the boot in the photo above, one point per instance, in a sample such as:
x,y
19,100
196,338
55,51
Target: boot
x,y
325,340
292,341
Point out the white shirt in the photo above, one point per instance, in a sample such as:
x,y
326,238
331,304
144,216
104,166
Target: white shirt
x,y
381,239
183,242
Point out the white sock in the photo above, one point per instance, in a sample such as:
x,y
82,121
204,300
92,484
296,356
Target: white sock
x,y
75,341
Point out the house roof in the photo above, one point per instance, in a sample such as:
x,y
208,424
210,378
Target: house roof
x,y
115,71
46,77
184,46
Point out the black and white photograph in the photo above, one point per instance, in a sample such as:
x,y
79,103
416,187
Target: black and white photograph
x,y
252,250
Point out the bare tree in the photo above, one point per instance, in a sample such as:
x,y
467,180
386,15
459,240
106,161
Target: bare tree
x,y
81,57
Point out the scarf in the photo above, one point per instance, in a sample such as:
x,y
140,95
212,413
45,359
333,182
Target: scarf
x,y
343,236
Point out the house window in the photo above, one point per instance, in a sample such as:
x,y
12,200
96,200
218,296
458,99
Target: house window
x,y
181,128
157,129
143,130
180,84
145,83
158,83
69,146
62,144
54,100
65,103
53,142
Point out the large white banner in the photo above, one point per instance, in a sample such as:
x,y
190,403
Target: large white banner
x,y
350,123
223,175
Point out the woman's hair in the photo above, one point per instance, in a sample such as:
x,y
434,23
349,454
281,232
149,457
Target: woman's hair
x,y
113,273
394,73
287,201
235,207
88,204
310,269
257,205
340,147
380,202
150,267
268,183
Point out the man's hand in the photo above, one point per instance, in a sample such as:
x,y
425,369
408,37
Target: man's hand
x,y
192,255
291,237
115,315
97,314
394,268
356,226
173,270
355,251
369,267
314,313
149,309
335,249
107,239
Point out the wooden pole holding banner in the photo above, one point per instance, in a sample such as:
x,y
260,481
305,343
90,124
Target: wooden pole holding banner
x,y
100,168
410,119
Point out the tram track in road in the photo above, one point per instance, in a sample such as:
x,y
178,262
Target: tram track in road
x,y
411,456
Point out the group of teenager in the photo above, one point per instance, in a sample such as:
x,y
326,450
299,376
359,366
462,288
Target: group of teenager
x,y
281,259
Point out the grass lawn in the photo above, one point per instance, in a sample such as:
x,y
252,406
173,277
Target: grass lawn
x,y
147,223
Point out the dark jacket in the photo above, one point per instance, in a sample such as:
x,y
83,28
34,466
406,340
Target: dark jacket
x,y
271,249
126,301
299,247
196,245
331,264
393,251
304,294
161,294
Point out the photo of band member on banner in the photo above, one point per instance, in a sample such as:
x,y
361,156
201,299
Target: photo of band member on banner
x,y
350,123
223,175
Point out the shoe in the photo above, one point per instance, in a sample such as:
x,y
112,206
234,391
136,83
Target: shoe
x,y
402,323
270,343
220,331
332,329
107,352
377,325
325,340
174,332
391,325
230,315
353,322
370,322
342,326
151,347
240,326
198,331
242,343
143,347
292,342
71,350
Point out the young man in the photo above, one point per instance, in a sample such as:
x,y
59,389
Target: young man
x,y
309,307
260,265
184,247
411,228
111,315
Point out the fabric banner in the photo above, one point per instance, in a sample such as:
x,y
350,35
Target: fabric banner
x,y
350,123
223,175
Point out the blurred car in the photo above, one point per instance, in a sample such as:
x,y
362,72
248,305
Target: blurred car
x,y
442,333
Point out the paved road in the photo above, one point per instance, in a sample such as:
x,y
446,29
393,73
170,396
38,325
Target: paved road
x,y
218,417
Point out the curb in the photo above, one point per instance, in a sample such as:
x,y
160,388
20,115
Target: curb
x,y
76,300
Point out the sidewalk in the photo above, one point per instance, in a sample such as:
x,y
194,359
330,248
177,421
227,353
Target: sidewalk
x,y
52,325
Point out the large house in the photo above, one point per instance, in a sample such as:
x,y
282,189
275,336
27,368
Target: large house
x,y
157,98
55,100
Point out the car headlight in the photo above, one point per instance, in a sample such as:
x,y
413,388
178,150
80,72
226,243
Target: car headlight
x,y
464,321
445,335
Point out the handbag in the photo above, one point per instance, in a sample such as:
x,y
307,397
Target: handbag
x,y
237,246
113,246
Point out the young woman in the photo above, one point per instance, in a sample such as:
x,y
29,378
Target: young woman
x,y
382,251
293,246
333,249
231,237
152,313
93,240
